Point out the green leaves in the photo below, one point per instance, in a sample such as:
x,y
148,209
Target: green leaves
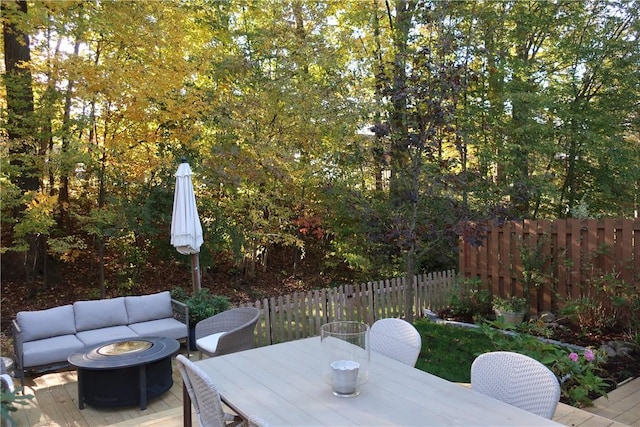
x,y
577,373
202,304
492,109
10,401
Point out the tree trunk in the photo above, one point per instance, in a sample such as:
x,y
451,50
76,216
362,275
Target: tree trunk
x,y
398,120
411,256
63,196
21,126
101,203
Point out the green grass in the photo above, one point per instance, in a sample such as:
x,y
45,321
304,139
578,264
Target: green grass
x,y
448,351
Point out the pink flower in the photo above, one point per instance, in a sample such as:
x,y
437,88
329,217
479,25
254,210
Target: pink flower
x,y
573,357
588,354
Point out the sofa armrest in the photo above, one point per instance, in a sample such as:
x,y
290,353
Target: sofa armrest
x,y
180,311
17,347
16,327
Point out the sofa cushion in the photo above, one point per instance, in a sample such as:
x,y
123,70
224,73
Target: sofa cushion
x,y
149,307
97,336
46,323
100,313
170,328
50,351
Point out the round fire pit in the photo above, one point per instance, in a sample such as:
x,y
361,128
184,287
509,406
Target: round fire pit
x,y
124,372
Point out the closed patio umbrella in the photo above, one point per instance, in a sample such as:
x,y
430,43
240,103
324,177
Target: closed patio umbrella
x,y
186,229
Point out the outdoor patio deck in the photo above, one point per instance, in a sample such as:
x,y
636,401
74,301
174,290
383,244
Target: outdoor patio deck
x,y
56,395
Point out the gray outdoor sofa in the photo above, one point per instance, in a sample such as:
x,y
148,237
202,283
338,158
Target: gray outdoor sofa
x,y
44,339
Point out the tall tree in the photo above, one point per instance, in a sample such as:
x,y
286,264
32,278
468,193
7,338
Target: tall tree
x,y
596,94
478,109
20,124
422,93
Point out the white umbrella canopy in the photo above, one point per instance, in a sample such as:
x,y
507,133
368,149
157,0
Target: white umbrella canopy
x,y
186,229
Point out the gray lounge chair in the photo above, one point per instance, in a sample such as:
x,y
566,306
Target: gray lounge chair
x,y
227,332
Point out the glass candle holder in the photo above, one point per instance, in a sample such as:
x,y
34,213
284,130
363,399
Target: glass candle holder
x,y
346,355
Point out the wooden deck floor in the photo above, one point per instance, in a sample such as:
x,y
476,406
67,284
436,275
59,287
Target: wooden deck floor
x,y
622,404
55,404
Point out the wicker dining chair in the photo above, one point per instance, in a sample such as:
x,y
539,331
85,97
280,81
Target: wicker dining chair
x,y
227,332
397,339
518,380
204,396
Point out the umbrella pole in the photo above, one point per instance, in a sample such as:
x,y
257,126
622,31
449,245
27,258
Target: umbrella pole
x,y
195,272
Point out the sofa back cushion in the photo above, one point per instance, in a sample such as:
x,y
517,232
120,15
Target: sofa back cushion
x,y
149,307
100,313
52,322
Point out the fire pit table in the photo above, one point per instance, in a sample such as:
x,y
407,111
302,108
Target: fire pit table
x,y
124,372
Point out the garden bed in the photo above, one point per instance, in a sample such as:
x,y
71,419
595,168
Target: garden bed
x,y
619,367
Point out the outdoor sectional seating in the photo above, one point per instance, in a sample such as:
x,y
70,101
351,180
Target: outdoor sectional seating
x,y
44,339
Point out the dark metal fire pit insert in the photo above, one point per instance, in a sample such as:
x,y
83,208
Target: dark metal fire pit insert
x,y
124,372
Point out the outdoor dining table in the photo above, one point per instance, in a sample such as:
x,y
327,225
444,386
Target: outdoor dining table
x,y
282,385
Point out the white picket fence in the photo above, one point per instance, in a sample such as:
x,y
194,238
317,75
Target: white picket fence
x,y
300,315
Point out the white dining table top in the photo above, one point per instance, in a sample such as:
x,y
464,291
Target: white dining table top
x,y
282,384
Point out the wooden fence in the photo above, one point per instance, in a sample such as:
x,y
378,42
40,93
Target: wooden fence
x,y
300,315
553,260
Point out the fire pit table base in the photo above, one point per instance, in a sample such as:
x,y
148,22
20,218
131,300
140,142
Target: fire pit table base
x,y
126,386
127,378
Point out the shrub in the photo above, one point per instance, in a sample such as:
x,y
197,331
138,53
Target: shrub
x,y
510,304
202,304
467,299
606,302
577,375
